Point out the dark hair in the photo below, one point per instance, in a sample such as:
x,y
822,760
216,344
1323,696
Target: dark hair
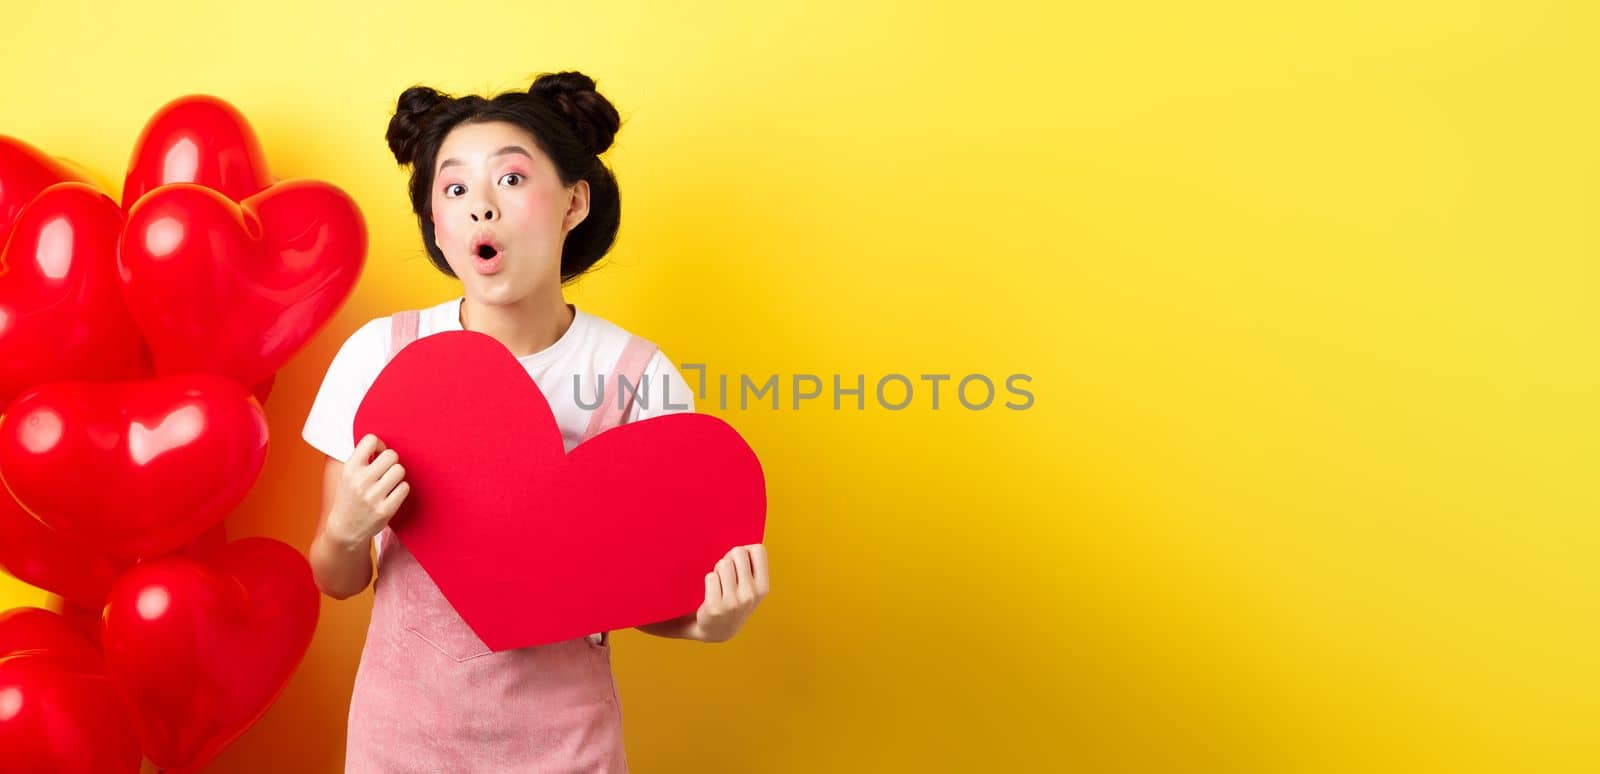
x,y
569,120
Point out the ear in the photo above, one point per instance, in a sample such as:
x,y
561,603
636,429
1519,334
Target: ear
x,y
577,208
434,229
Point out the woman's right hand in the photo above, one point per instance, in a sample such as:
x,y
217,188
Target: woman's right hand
x,y
369,492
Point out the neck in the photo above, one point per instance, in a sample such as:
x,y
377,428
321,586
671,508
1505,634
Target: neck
x,y
525,326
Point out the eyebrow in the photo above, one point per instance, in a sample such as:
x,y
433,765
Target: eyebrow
x,y
501,152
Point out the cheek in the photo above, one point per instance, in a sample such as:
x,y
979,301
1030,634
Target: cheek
x,y
533,203
444,226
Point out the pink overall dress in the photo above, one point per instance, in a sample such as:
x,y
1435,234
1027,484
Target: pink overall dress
x,y
431,697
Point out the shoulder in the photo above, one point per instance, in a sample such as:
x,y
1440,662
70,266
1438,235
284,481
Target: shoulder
x,y
442,316
353,369
371,332
359,359
665,389
365,352
376,334
365,346
594,344
603,331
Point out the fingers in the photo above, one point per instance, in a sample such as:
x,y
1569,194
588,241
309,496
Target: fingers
x,y
758,565
386,484
729,578
745,593
368,446
713,590
379,467
391,503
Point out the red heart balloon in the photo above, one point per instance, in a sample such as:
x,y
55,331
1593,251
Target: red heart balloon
x,y
262,390
511,528
61,310
197,139
202,648
40,556
24,172
86,620
137,468
33,629
237,289
59,711
213,539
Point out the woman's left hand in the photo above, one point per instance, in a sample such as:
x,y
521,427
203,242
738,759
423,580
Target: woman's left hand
x,y
733,589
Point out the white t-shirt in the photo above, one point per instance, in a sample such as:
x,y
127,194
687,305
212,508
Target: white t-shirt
x,y
590,346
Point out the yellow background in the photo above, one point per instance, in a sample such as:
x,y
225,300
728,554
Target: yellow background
x,y
1307,296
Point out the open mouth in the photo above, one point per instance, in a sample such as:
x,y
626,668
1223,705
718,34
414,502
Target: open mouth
x,y
485,246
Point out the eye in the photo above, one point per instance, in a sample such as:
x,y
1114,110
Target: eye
x,y
516,175
453,186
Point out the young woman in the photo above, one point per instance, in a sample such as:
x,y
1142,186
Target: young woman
x,y
513,201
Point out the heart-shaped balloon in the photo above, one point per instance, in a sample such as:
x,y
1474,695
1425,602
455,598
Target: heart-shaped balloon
x,y
210,541
59,711
61,311
40,556
203,647
262,390
24,172
237,289
33,629
136,468
512,529
86,620
197,139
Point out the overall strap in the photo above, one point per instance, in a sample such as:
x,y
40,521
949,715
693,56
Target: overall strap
x,y
402,330
617,400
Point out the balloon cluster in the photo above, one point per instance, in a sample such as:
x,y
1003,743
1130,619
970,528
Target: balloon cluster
x,y
138,342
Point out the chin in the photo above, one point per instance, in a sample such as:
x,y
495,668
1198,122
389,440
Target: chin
x,y
498,292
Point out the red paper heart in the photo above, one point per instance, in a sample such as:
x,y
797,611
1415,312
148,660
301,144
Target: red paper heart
x,y
202,647
136,468
24,172
59,711
61,311
197,139
237,289
532,545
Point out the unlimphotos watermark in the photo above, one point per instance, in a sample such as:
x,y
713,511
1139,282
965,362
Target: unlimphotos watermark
x,y
893,391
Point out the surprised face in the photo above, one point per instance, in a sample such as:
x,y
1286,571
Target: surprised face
x,y
500,212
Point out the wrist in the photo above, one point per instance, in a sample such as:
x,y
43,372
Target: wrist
x,y
697,630
339,535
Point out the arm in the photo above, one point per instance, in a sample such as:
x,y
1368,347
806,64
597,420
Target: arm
x,y
680,628
359,496
342,566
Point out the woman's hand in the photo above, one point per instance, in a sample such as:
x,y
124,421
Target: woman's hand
x,y
733,589
369,492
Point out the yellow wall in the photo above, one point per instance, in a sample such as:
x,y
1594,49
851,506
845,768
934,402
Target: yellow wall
x,y
1307,296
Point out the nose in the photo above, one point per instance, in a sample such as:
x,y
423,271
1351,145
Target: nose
x,y
482,213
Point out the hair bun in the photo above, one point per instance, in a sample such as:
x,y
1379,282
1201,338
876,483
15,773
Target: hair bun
x,y
410,118
591,115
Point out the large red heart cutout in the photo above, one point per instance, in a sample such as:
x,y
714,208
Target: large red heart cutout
x,y
237,289
136,468
197,139
24,172
61,311
202,647
59,711
533,545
